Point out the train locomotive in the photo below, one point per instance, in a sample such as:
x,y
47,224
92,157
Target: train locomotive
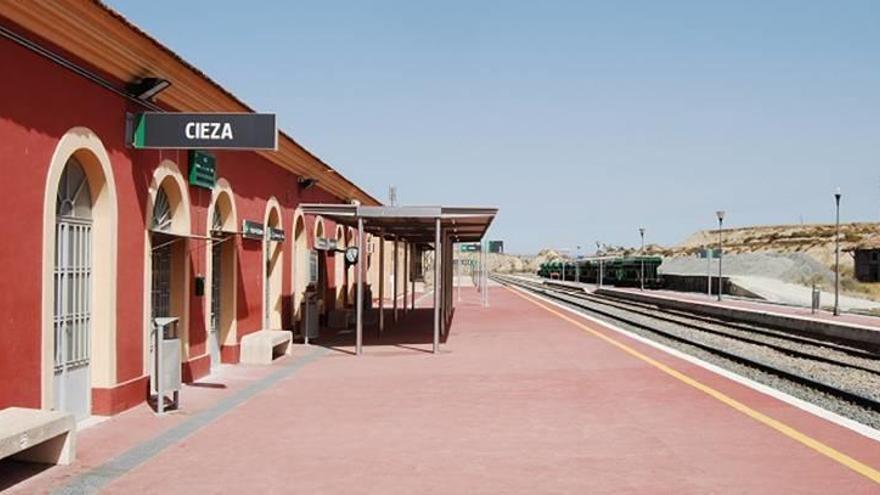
x,y
620,272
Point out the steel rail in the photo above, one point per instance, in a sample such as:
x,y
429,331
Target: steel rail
x,y
843,394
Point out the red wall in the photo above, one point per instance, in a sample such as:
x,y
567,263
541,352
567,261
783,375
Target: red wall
x,y
39,103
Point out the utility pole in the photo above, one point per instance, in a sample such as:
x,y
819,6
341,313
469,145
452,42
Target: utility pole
x,y
642,258
837,253
720,215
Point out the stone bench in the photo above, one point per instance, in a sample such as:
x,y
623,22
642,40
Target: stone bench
x,y
262,347
35,435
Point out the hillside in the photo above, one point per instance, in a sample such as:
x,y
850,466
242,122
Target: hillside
x,y
796,253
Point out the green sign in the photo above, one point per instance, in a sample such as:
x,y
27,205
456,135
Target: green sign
x,y
202,169
472,247
252,230
496,246
709,253
276,234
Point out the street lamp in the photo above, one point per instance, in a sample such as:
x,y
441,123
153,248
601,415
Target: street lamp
x,y
601,266
837,253
577,264
642,258
720,215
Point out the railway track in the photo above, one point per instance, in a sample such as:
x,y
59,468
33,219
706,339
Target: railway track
x,y
845,373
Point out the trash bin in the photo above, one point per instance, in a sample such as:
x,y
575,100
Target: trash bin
x,y
165,375
310,327
816,299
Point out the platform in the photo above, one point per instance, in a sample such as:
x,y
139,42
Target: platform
x,y
857,329
524,397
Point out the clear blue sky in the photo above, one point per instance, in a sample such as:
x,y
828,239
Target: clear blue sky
x,y
581,120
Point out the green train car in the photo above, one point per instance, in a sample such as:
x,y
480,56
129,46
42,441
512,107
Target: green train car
x,y
620,272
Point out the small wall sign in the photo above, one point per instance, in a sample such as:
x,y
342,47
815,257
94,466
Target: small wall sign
x,y
252,230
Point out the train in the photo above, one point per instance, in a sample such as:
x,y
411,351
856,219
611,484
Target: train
x,y
620,271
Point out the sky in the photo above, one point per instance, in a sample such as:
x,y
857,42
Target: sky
x,y
582,121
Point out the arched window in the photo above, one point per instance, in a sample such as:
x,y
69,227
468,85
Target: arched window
x,y
217,220
161,211
74,198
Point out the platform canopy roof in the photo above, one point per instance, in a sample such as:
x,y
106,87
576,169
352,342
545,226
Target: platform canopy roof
x,y
415,224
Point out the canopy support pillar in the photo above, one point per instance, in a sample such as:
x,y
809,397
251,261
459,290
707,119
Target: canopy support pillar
x,y
381,284
406,273
359,267
395,287
437,275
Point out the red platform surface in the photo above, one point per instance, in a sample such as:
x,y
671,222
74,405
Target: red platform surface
x,y
524,398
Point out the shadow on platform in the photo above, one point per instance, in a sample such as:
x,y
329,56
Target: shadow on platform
x,y
13,472
413,330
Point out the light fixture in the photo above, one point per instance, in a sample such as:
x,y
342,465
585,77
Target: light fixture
x,y
147,88
306,182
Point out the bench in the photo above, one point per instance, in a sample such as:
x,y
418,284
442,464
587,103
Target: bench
x,y
35,435
262,347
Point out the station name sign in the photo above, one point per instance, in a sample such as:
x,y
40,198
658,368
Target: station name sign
x,y
231,131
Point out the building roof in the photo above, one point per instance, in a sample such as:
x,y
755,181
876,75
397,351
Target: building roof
x,y
110,43
870,244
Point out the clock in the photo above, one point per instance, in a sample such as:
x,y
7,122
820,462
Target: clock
x,y
351,255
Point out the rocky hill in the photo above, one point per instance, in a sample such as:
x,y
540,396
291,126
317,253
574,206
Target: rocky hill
x,y
816,241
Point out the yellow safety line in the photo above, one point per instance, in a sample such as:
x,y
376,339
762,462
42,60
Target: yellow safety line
x,y
863,469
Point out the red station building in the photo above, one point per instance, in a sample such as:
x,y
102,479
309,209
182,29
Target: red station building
x,y
100,237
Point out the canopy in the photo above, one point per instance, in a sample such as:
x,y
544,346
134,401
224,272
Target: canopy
x,y
416,225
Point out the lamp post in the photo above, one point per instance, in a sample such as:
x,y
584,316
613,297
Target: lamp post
x,y
720,215
837,253
601,266
577,264
642,259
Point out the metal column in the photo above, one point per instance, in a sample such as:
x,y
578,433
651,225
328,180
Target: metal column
x,y
360,288
412,281
458,277
437,274
406,273
486,277
381,284
395,286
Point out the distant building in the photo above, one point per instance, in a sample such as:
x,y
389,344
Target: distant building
x,y
867,261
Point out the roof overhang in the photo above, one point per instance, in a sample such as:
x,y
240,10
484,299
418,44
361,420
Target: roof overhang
x,y
415,224
121,52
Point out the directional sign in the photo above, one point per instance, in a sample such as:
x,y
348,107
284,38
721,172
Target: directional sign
x,y
325,244
276,235
496,246
469,248
237,131
252,230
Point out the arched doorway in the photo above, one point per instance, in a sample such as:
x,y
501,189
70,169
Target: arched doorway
x,y
167,261
300,265
320,284
79,268
222,273
73,291
339,268
274,262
